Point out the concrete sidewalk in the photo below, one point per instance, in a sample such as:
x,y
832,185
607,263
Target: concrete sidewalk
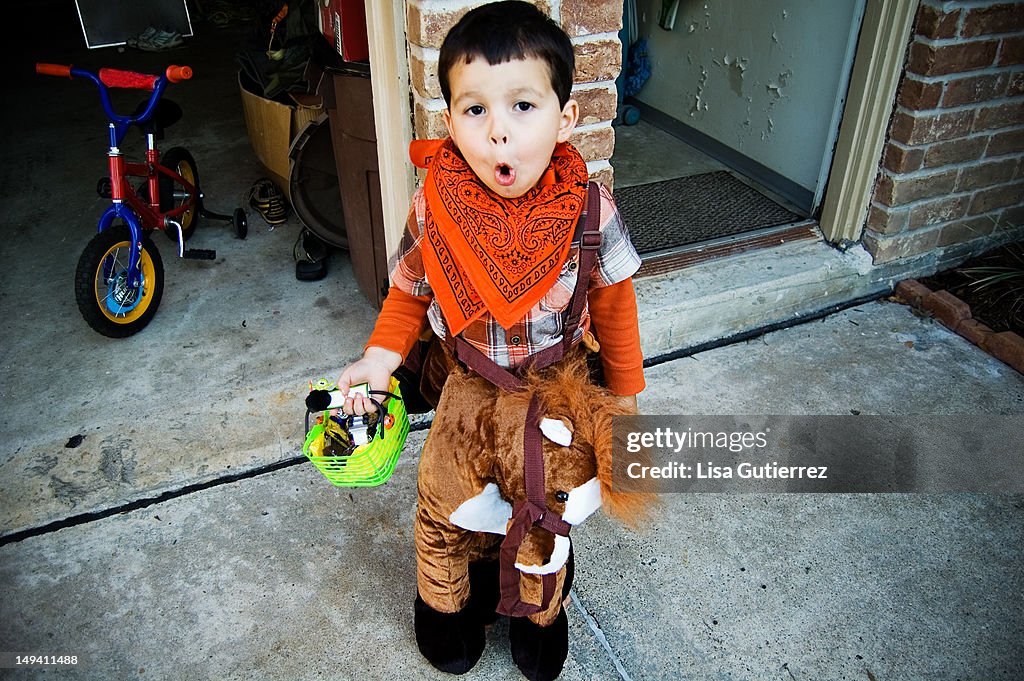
x,y
279,575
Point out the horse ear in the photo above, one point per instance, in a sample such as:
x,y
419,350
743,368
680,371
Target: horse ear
x,y
558,431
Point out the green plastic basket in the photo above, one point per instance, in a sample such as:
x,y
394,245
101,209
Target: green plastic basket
x,y
370,464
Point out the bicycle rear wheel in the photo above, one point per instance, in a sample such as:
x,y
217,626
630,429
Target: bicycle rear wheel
x,y
107,302
173,195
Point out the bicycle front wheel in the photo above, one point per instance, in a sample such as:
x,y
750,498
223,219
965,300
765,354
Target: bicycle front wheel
x,y
106,300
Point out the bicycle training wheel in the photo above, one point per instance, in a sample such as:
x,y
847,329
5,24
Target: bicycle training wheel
x,y
106,301
173,195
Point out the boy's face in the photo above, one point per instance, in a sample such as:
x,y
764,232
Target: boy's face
x,y
506,121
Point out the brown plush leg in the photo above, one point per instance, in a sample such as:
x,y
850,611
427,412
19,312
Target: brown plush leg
x,y
448,476
449,632
442,563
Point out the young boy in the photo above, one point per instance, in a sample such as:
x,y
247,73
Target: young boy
x,y
487,252
506,119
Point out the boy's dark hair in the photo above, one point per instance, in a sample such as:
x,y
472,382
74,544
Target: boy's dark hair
x,y
503,31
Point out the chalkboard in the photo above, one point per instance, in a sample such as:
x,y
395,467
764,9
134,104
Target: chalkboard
x,y
112,22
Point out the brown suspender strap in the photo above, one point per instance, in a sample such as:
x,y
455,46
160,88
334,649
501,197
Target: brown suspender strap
x,y
533,455
590,242
524,516
483,365
533,469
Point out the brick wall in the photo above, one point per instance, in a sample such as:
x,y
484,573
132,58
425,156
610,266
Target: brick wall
x,y
952,168
593,26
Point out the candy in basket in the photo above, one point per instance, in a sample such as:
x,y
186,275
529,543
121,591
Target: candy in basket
x,y
355,451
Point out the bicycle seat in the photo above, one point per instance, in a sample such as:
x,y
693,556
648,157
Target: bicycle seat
x,y
166,114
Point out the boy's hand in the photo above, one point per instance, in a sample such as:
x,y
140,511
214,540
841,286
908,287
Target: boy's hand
x,y
375,369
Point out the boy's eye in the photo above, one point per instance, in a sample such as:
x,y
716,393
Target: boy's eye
x,y
475,110
523,106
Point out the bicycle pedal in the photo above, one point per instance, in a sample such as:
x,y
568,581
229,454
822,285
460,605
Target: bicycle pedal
x,y
199,254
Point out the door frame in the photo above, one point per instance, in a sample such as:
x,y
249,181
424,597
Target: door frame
x,y
878,66
389,57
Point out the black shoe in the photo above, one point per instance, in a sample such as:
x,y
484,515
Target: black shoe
x,y
310,271
451,642
310,257
538,651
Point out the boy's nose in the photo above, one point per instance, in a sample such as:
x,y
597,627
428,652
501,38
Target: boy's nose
x,y
499,134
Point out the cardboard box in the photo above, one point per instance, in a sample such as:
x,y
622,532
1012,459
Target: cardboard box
x,y
272,126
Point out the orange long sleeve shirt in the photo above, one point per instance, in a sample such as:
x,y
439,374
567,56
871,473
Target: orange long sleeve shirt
x,y
613,314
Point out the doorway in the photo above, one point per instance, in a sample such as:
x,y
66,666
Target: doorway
x,y
739,118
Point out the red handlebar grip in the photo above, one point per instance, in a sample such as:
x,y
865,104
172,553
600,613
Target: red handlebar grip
x,y
127,79
176,74
53,70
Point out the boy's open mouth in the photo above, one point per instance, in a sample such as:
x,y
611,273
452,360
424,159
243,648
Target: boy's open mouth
x,y
505,175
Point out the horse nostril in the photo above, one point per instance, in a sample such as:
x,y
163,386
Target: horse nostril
x,y
562,496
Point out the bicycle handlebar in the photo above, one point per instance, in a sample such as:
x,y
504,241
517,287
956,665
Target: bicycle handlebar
x,y
118,78
53,70
109,78
127,79
176,74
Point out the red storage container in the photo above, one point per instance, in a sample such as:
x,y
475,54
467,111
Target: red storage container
x,y
344,24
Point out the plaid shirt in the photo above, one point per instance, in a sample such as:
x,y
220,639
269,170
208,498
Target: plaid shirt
x,y
616,261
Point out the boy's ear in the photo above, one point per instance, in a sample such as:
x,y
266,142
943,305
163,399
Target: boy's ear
x,y
570,115
448,122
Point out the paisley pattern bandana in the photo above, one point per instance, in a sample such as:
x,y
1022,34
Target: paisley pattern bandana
x,y
485,253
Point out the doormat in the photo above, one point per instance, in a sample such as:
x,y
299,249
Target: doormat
x,y
688,210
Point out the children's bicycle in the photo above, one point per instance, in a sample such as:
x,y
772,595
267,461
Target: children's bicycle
x,y
120,277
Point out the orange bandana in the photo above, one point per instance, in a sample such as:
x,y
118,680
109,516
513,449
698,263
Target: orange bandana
x,y
491,254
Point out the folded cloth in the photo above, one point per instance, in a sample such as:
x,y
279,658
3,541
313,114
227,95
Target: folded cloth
x,y
485,253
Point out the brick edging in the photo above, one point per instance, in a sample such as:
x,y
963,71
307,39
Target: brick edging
x,y
955,314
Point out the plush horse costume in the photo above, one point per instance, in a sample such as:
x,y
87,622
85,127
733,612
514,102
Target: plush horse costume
x,y
485,517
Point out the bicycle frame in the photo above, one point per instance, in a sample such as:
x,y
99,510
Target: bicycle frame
x,y
130,207
125,202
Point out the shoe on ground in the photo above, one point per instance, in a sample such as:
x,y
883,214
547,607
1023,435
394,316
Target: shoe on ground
x,y
268,201
160,41
145,36
310,257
